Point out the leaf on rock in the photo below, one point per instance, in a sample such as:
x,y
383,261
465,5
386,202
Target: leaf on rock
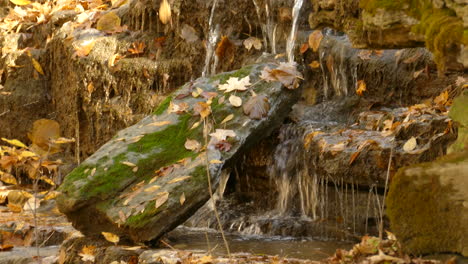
x,y
223,145
235,84
227,119
188,33
203,109
152,188
257,107
109,22
286,73
87,253
215,161
182,199
222,134
192,145
37,66
161,198
442,98
15,142
179,179
314,64
304,48
253,42
235,101
7,178
21,2
165,12
361,87
128,163
410,145
314,40
137,48
177,108
160,123
113,238
83,49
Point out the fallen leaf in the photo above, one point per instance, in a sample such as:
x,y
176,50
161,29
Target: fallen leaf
x,y
203,109
177,108
227,119
235,84
152,188
410,144
108,22
286,73
135,139
195,125
205,259
222,134
235,101
314,64
15,142
165,12
21,2
365,54
442,98
192,145
361,87
257,107
37,66
7,178
304,48
188,33
417,73
215,162
160,123
137,48
87,253
113,238
83,49
197,92
128,163
225,49
223,145
314,40
161,198
182,199
179,179
252,42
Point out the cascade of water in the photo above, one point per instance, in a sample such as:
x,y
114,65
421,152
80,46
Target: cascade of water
x,y
212,39
270,27
263,26
292,36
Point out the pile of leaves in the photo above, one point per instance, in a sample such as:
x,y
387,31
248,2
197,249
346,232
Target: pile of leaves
x,y
373,250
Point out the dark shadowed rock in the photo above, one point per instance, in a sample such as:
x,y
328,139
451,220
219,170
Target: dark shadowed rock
x,y
116,189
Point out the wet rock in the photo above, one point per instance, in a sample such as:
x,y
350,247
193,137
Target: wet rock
x,y
28,255
116,189
427,206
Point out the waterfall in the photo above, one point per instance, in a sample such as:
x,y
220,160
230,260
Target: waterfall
x,y
292,36
213,36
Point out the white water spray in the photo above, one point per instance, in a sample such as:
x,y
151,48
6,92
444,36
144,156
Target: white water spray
x,y
292,36
212,39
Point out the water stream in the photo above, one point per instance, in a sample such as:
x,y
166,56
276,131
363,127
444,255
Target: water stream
x,y
292,36
213,37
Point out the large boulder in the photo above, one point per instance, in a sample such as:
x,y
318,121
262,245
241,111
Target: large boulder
x,y
146,181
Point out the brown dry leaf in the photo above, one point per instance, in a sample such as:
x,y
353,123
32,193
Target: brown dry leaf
x,y
365,54
361,87
227,118
257,107
7,178
192,145
177,108
118,3
304,48
197,92
314,64
21,2
15,143
182,199
235,101
442,98
87,253
161,198
225,49
205,259
203,109
165,12
6,247
309,137
215,162
410,145
235,84
137,48
43,133
286,73
113,238
314,40
109,22
253,42
179,179
114,59
83,49
90,87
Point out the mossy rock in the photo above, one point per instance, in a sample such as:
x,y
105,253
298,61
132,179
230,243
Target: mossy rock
x,y
115,190
459,114
427,206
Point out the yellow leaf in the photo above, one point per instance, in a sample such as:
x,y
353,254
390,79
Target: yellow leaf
x,y
161,198
15,142
44,131
152,188
8,178
84,48
410,144
195,125
21,2
227,118
63,140
27,154
37,66
108,22
314,40
47,180
361,87
315,64
161,123
205,259
113,238
128,163
179,179
215,161
165,12
182,199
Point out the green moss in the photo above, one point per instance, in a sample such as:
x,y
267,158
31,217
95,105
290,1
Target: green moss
x,y
421,212
163,106
241,73
198,181
372,5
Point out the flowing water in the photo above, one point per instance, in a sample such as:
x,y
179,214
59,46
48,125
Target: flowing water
x,y
213,31
292,36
